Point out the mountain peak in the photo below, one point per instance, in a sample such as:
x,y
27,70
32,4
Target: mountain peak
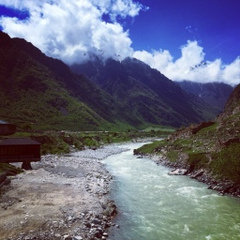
x,y
44,91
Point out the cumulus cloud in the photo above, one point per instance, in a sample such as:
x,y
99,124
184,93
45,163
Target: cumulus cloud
x,y
192,65
73,30
231,72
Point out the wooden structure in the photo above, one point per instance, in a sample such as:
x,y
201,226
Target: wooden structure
x,y
7,128
23,150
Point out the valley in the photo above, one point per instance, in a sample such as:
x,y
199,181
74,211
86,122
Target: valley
x,y
76,111
119,120
43,93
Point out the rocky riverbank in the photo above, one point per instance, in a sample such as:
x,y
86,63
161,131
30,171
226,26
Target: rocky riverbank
x,y
202,175
63,197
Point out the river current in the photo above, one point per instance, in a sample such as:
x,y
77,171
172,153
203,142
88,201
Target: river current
x,y
153,205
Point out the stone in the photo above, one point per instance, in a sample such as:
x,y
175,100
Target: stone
x,y
77,238
96,221
88,225
178,171
67,237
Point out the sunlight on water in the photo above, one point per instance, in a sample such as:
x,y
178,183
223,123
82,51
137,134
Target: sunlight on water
x,y
153,205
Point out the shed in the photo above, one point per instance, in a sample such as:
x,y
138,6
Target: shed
x,y
23,150
7,128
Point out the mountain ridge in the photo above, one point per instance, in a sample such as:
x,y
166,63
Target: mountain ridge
x,y
175,106
25,70
215,93
46,94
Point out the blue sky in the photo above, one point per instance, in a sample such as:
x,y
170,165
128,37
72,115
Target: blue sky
x,y
173,36
168,24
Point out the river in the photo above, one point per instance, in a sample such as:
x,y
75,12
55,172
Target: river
x,y
153,205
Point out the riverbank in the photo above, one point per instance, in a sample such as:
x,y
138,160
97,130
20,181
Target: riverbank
x,y
175,202
209,152
202,175
63,197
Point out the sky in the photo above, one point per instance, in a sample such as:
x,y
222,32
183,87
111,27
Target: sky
x,y
184,39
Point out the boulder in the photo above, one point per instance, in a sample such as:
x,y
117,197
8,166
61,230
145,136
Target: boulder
x,y
178,171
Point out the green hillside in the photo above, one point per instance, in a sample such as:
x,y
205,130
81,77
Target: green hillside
x,y
42,93
149,95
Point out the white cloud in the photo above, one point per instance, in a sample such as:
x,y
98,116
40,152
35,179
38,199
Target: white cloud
x,y
73,30
119,8
191,65
231,72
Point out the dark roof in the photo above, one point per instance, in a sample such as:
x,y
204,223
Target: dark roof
x,y
18,141
3,122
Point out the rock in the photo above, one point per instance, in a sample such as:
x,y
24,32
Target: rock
x,y
178,171
88,224
85,216
77,238
96,221
67,237
198,174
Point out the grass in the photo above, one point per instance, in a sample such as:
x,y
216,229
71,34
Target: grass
x,y
159,128
151,147
225,163
197,160
204,150
9,169
54,142
172,156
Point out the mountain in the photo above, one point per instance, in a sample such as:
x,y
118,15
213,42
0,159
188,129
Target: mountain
x,y
40,92
149,95
43,92
216,94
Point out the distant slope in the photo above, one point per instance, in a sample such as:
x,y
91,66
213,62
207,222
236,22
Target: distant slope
x,y
216,94
232,107
149,95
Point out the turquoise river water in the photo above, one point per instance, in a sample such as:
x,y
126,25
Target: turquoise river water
x,y
153,205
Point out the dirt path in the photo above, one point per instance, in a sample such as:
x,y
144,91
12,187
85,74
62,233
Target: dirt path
x,y
63,197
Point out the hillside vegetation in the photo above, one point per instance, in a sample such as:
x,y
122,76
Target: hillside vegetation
x,y
41,93
210,151
146,93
